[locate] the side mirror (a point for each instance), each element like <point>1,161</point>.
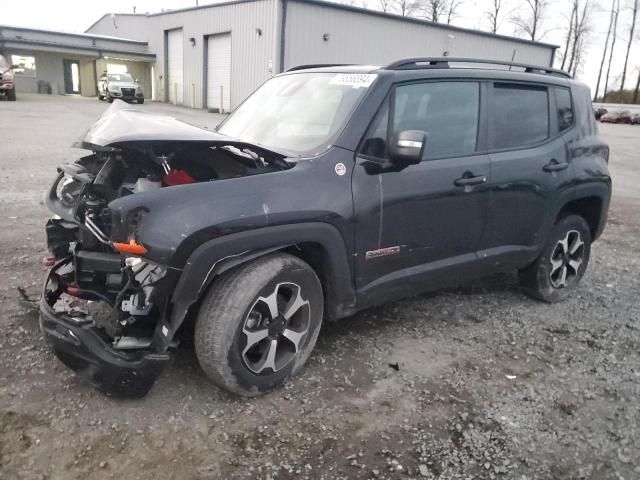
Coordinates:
<point>407,147</point>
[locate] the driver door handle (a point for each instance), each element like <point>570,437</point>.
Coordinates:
<point>555,166</point>
<point>468,179</point>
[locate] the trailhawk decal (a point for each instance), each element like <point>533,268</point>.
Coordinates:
<point>382,252</point>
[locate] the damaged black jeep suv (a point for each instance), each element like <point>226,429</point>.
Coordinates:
<point>331,189</point>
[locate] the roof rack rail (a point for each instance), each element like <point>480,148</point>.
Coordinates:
<point>443,62</point>
<point>317,65</point>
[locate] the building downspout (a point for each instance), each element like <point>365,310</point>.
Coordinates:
<point>283,28</point>
<point>553,56</point>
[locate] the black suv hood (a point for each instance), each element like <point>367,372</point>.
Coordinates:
<point>122,123</point>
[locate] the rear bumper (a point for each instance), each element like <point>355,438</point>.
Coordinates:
<point>87,351</point>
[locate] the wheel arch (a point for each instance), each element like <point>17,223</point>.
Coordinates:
<point>319,244</point>
<point>591,202</point>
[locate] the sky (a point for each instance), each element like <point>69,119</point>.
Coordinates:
<point>78,15</point>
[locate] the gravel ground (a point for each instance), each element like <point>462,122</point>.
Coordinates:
<point>475,382</point>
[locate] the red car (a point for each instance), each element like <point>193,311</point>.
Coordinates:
<point>7,82</point>
<point>621,116</point>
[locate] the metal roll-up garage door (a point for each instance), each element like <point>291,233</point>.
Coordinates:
<point>219,72</point>
<point>175,74</point>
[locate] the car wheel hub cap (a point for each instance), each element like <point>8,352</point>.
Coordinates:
<point>566,259</point>
<point>274,329</point>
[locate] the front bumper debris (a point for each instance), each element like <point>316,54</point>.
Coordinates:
<point>88,351</point>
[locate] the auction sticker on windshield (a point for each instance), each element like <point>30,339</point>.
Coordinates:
<point>355,80</point>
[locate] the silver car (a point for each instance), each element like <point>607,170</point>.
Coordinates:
<point>119,85</point>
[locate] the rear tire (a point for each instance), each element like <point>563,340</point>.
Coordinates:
<point>556,273</point>
<point>140,101</point>
<point>109,99</point>
<point>258,324</point>
<point>11,95</point>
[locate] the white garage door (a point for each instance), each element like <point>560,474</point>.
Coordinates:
<point>219,72</point>
<point>175,66</point>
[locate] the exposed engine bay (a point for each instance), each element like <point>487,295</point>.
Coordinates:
<point>100,280</point>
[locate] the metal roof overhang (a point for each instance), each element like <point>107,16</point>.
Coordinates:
<point>95,52</point>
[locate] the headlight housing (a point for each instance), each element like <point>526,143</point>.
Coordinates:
<point>68,191</point>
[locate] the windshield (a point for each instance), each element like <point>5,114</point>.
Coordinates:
<point>300,114</point>
<point>120,77</point>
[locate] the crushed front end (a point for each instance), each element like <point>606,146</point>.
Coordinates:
<point>107,297</point>
<point>102,300</point>
<point>100,307</point>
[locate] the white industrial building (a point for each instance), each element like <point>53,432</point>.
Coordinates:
<point>214,56</point>
<point>59,63</point>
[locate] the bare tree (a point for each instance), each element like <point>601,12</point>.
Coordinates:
<point>635,92</point>
<point>530,23</point>
<point>578,56</point>
<point>567,44</point>
<point>385,5</point>
<point>631,33</point>
<point>614,36</point>
<point>580,30</point>
<point>435,9</point>
<point>493,14</point>
<point>604,52</point>
<point>452,10</point>
<point>407,8</point>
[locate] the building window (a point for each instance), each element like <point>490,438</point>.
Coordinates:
<point>27,65</point>
<point>116,68</point>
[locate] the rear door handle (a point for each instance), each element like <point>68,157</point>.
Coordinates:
<point>468,180</point>
<point>555,166</point>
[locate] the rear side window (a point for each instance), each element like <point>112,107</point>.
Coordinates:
<point>564,108</point>
<point>447,112</point>
<point>520,115</point>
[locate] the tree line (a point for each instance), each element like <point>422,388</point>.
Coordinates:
<point>529,18</point>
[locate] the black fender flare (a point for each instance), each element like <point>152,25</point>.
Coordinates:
<point>215,256</point>
<point>601,190</point>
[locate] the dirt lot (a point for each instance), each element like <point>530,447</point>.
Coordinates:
<point>489,384</point>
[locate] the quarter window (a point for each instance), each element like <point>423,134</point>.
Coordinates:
<point>564,108</point>
<point>446,111</point>
<point>520,115</point>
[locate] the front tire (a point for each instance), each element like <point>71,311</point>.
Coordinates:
<point>258,324</point>
<point>11,95</point>
<point>556,273</point>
